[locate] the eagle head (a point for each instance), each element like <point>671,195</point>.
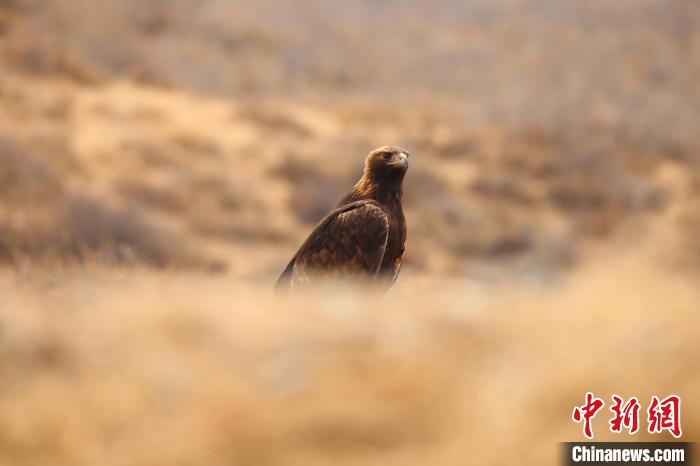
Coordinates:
<point>388,163</point>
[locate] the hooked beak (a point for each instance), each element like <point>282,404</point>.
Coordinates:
<point>401,159</point>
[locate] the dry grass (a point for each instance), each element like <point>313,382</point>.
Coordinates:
<point>161,161</point>
<point>168,167</point>
<point>522,152</point>
<point>138,369</point>
<point>44,220</point>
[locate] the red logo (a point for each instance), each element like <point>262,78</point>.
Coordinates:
<point>587,412</point>
<point>665,415</point>
<point>626,415</point>
<point>661,415</point>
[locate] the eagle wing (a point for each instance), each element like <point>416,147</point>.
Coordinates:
<point>348,243</point>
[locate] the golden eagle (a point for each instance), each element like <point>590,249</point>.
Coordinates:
<point>363,236</point>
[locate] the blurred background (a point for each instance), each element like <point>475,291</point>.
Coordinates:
<point>161,161</point>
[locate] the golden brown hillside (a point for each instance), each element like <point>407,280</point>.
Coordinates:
<point>161,161</point>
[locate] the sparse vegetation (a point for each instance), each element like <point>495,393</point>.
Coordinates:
<point>160,161</point>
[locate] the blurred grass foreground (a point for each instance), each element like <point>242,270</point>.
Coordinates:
<point>161,161</point>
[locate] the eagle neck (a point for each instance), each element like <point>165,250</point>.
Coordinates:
<point>386,193</point>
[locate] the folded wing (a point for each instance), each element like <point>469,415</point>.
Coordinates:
<point>348,243</point>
